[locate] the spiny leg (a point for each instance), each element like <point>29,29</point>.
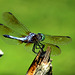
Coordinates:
<point>41,46</point>
<point>34,48</point>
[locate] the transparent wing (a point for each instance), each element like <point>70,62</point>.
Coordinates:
<point>14,24</point>
<point>55,50</point>
<point>8,31</point>
<point>57,39</point>
<point>29,47</point>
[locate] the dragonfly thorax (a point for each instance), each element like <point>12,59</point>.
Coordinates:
<point>32,38</point>
<point>29,38</point>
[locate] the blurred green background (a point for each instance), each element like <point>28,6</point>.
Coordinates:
<point>53,17</point>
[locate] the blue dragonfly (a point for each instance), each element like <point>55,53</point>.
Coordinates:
<point>17,33</point>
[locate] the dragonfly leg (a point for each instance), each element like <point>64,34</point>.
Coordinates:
<point>41,46</point>
<point>34,48</point>
<point>38,46</point>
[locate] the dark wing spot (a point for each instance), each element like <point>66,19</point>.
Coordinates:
<point>10,13</point>
<point>68,37</point>
<point>57,46</point>
<point>1,24</point>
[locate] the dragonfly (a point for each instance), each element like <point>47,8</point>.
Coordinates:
<point>17,33</point>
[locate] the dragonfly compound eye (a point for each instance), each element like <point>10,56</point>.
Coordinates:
<point>42,37</point>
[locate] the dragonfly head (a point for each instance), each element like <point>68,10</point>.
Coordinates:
<point>41,36</point>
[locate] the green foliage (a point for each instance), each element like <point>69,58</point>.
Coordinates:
<point>53,17</point>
